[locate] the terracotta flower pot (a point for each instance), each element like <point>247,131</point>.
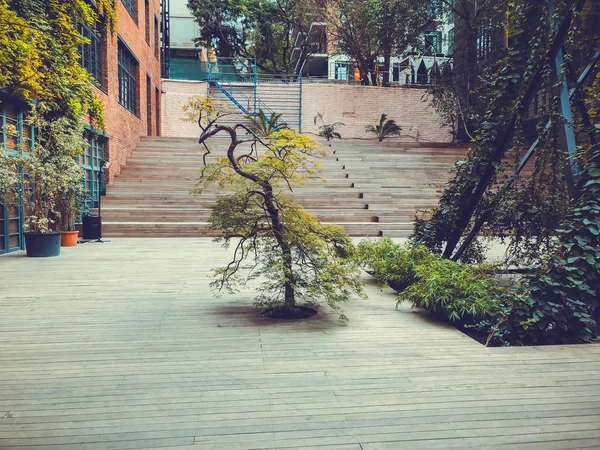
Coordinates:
<point>69,238</point>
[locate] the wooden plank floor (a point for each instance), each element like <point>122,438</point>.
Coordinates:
<point>122,346</point>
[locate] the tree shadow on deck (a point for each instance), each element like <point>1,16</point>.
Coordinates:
<point>249,315</point>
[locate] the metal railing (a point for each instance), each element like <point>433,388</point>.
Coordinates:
<point>237,80</point>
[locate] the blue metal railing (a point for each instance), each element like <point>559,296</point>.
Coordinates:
<point>229,96</point>
<point>237,79</point>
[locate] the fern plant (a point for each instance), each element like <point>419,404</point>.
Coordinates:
<point>387,127</point>
<point>263,125</point>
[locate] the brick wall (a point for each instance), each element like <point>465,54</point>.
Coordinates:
<point>359,106</point>
<point>355,106</point>
<point>176,94</point>
<point>124,127</point>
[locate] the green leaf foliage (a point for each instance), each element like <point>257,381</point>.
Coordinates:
<point>386,128</point>
<point>260,29</point>
<point>39,59</point>
<point>456,292</point>
<point>294,256</point>
<point>263,125</point>
<point>391,263</point>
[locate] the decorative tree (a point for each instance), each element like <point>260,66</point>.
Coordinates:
<point>297,257</point>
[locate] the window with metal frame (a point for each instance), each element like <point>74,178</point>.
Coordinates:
<point>90,160</point>
<point>130,7</point>
<point>17,139</point>
<point>147,21</point>
<point>156,38</point>
<point>91,53</point>
<point>128,74</point>
<point>433,41</point>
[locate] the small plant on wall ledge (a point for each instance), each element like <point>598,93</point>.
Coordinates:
<point>328,130</point>
<point>262,125</point>
<point>386,128</point>
<point>297,258</point>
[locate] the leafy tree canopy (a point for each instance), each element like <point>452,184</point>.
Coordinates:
<point>368,29</point>
<point>39,59</point>
<point>263,29</point>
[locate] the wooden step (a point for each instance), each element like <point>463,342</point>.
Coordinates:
<point>368,189</point>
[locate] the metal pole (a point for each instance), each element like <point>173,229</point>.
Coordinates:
<point>300,106</point>
<point>254,113</point>
<point>567,134</point>
<point>503,141</point>
<point>488,213</point>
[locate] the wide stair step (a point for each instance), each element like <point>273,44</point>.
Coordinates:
<point>367,188</point>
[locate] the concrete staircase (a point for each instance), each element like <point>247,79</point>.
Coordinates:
<point>370,189</point>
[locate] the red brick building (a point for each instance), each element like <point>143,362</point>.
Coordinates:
<point>126,69</point>
<point>126,65</point>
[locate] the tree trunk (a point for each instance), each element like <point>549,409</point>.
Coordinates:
<point>364,74</point>
<point>289,302</point>
<point>387,57</point>
<point>373,74</point>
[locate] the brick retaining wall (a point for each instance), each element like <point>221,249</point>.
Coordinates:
<point>356,106</point>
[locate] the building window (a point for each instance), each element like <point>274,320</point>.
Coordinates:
<point>157,106</point>
<point>156,38</point>
<point>342,71</point>
<point>147,22</point>
<point>433,41</point>
<point>130,7</point>
<point>90,160</point>
<point>148,106</point>
<point>128,69</point>
<point>451,42</point>
<point>90,54</point>
<point>17,139</point>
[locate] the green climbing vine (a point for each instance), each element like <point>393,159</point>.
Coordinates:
<point>535,217</point>
<point>39,59</point>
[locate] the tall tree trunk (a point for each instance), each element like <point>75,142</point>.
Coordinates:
<point>387,57</point>
<point>289,302</point>
<point>364,73</point>
<point>372,71</point>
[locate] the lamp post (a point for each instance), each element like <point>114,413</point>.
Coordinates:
<point>103,166</point>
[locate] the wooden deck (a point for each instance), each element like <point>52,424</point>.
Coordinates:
<point>122,346</point>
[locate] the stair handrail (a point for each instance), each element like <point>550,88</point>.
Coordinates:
<point>230,97</point>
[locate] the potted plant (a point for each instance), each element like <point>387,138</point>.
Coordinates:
<point>69,201</point>
<point>52,172</point>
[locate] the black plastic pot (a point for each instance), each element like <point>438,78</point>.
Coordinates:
<point>41,245</point>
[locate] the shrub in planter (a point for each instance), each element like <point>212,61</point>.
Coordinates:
<point>262,125</point>
<point>54,177</point>
<point>454,291</point>
<point>391,263</point>
<point>328,130</point>
<point>459,293</point>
